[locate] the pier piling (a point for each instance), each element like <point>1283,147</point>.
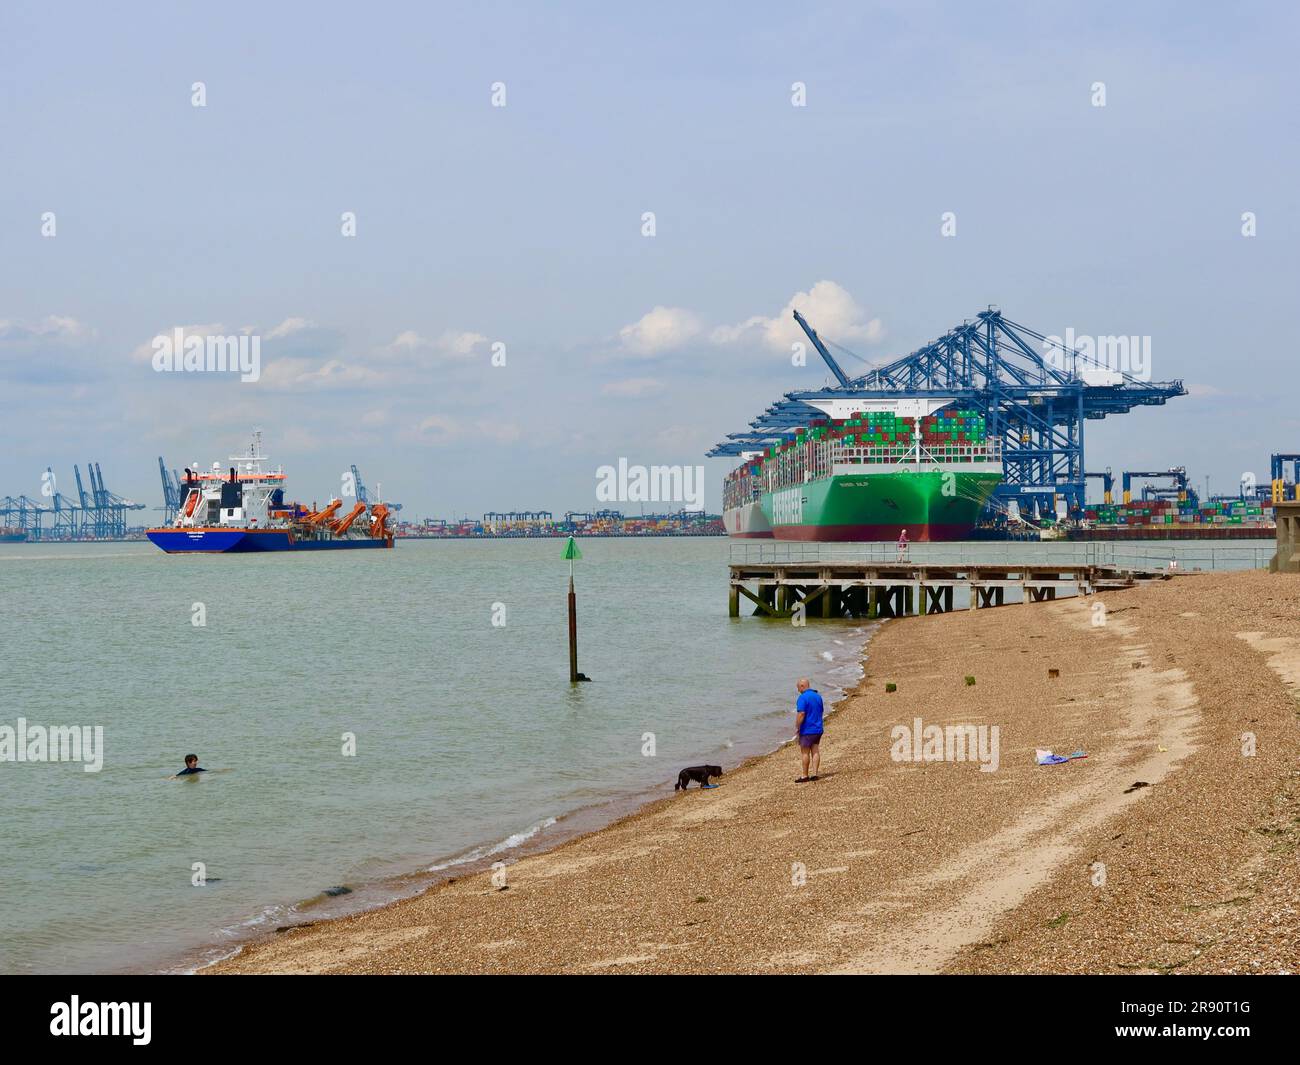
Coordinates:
<point>894,590</point>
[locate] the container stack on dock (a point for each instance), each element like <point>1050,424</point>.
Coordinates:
<point>682,524</point>
<point>1168,518</point>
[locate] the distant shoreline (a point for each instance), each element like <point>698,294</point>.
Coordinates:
<point>494,536</point>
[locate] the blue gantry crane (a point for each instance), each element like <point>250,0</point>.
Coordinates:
<point>1178,489</point>
<point>363,495</point>
<point>1033,391</point>
<point>99,514</point>
<point>171,484</point>
<point>1107,478</point>
<point>1279,489</point>
<point>108,513</point>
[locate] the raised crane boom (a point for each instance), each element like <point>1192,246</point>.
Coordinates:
<point>840,375</point>
<point>319,517</point>
<point>343,524</point>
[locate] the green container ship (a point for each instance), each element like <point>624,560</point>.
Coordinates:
<point>886,466</point>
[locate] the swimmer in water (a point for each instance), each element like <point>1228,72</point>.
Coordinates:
<point>192,767</point>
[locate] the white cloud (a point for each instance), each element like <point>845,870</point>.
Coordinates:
<point>437,429</point>
<point>298,353</point>
<point>55,351</point>
<point>633,387</point>
<point>462,344</point>
<point>288,327</point>
<point>441,429</point>
<point>293,337</point>
<point>661,329</point>
<point>304,373</point>
<point>827,306</point>
<point>729,334</point>
<point>145,352</point>
<point>54,327</point>
<point>452,344</point>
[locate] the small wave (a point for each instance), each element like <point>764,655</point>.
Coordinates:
<point>276,912</point>
<point>486,851</point>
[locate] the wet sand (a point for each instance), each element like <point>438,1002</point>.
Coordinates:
<point>899,866</point>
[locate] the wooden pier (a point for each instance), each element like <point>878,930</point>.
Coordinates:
<point>898,589</point>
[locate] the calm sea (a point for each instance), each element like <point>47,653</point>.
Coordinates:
<point>469,739</point>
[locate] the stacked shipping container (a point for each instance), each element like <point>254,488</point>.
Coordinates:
<point>1181,512</point>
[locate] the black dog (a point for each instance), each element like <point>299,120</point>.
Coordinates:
<point>698,773</point>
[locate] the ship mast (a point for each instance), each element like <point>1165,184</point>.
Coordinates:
<point>253,459</point>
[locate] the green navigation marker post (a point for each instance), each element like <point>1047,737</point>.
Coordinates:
<point>571,552</point>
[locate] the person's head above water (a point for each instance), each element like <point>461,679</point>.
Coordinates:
<point>803,684</point>
<point>191,760</point>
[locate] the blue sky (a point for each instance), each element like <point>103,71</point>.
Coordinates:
<point>522,225</point>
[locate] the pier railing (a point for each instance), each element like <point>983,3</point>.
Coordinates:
<point>1149,557</point>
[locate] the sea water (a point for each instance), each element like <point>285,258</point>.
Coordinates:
<point>378,713</point>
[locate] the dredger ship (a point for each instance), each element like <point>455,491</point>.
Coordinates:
<point>924,466</point>
<point>245,509</point>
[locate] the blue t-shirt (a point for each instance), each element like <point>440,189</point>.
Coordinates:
<point>810,705</point>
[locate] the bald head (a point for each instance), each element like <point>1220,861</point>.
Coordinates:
<point>803,684</point>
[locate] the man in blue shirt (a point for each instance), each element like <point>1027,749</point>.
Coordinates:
<point>808,727</point>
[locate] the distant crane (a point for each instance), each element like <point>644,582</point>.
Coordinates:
<point>98,514</point>
<point>1177,474</point>
<point>81,492</point>
<point>109,508</point>
<point>68,516</point>
<point>1283,490</point>
<point>171,483</point>
<point>363,496</point>
<point>1107,479</point>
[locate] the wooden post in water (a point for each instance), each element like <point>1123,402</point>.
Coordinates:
<point>573,632</point>
<point>571,552</point>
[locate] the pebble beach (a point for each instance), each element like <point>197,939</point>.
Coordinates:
<point>1169,846</point>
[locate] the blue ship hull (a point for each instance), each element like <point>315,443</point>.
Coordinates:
<point>239,541</point>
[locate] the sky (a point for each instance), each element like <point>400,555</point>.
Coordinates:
<point>519,230</point>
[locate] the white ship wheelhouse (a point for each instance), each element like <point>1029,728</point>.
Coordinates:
<point>248,496</point>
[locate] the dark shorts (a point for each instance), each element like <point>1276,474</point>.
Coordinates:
<point>810,739</point>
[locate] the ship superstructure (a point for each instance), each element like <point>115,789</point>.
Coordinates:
<point>243,507</point>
